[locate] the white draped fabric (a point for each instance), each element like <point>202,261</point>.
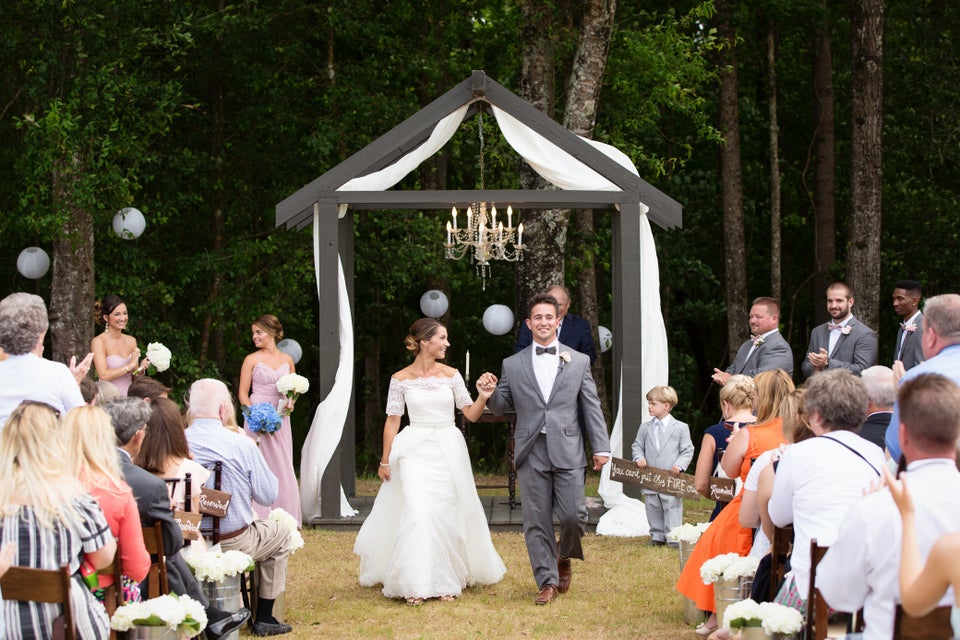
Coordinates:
<point>626,516</point>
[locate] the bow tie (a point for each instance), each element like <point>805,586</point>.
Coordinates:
<point>834,326</point>
<point>543,350</point>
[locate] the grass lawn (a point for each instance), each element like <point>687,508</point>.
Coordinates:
<point>623,590</point>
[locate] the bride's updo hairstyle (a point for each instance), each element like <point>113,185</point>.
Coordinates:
<point>422,329</point>
<point>739,392</point>
<point>270,324</point>
<point>103,308</point>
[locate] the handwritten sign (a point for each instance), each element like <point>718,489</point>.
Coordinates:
<point>721,489</point>
<point>189,524</point>
<point>213,502</point>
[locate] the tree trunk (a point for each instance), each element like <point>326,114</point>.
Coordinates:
<point>866,153</point>
<point>824,208</point>
<point>731,177</point>
<point>71,291</point>
<point>775,242</point>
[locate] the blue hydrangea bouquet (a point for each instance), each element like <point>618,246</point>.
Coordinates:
<point>262,418</point>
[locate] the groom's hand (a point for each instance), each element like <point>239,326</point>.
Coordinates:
<point>599,461</point>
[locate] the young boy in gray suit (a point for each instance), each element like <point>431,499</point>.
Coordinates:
<point>663,442</point>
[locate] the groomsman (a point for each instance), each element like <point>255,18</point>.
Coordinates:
<point>842,343</point>
<point>766,349</point>
<point>908,350</point>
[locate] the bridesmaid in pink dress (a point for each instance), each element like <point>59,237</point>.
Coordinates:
<point>115,354</point>
<point>258,383</point>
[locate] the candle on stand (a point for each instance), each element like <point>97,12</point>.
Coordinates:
<point>454,212</point>
<point>448,232</point>
<point>469,218</point>
<point>493,218</point>
<point>520,234</point>
<point>467,368</point>
<point>509,217</point>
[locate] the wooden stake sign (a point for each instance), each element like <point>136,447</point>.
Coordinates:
<point>189,524</point>
<point>721,489</point>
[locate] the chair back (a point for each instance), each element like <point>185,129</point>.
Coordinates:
<point>39,585</point>
<point>933,626</point>
<point>816,605</point>
<point>158,584</point>
<point>780,548</point>
<point>211,527</point>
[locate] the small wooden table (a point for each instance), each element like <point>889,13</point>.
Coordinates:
<point>510,418</point>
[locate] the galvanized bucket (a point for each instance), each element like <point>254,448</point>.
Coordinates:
<point>225,595</point>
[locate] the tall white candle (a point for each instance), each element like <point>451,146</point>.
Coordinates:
<point>467,368</point>
<point>493,218</point>
<point>454,212</point>
<point>509,217</point>
<point>520,234</point>
<point>448,232</point>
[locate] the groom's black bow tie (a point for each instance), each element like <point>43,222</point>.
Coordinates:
<point>543,350</point>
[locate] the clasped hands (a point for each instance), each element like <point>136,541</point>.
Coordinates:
<point>486,384</point>
<point>819,360</point>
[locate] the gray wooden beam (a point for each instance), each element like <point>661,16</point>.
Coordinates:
<point>348,442</point>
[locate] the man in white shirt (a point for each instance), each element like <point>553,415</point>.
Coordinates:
<point>766,349</point>
<point>861,569</point>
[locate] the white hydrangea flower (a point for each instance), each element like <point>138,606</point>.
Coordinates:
<point>687,532</point>
<point>287,520</point>
<point>745,613</point>
<point>292,383</point>
<point>780,619</point>
<point>712,569</point>
<point>159,356</point>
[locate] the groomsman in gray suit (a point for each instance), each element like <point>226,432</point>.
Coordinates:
<point>908,350</point>
<point>765,350</point>
<point>547,384</point>
<point>842,343</point>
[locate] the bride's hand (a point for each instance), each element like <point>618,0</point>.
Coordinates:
<point>486,384</point>
<point>384,472</point>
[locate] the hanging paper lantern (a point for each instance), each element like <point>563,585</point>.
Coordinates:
<point>498,319</point>
<point>606,339</point>
<point>129,223</point>
<point>434,303</point>
<point>33,263</point>
<point>291,348</point>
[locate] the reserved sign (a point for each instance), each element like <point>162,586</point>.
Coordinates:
<point>213,502</point>
<point>189,524</point>
<point>721,489</point>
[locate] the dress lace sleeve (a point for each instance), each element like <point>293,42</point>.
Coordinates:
<point>395,398</point>
<point>460,394</point>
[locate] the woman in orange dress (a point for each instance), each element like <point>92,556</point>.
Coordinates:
<point>725,535</point>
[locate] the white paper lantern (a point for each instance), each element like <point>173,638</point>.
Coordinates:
<point>434,303</point>
<point>33,263</point>
<point>606,339</point>
<point>498,319</point>
<point>129,223</point>
<point>291,348</point>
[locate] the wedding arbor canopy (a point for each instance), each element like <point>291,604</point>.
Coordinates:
<point>589,174</point>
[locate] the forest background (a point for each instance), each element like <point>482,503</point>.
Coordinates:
<point>808,141</point>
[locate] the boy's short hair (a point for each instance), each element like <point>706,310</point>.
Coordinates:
<point>662,393</point>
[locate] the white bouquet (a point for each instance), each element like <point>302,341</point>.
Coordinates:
<point>780,619</point>
<point>180,613</point>
<point>291,386</point>
<point>287,520</point>
<point>213,565</point>
<point>687,532</point>
<point>745,613</point>
<point>159,356</point>
<point>745,566</point>
<point>712,569</point>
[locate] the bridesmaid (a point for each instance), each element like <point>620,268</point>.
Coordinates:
<point>258,383</point>
<point>115,354</point>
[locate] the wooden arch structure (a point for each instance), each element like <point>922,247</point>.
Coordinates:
<point>335,234</point>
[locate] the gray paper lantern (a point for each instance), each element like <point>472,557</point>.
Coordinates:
<point>606,339</point>
<point>434,303</point>
<point>129,223</point>
<point>33,263</point>
<point>291,348</point>
<point>498,319</point>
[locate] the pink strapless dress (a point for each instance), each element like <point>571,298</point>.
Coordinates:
<point>123,382</point>
<point>277,448</point>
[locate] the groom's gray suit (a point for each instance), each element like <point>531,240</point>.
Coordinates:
<point>549,451</point>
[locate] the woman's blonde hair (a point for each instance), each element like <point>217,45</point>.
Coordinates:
<point>795,426</point>
<point>33,465</point>
<point>740,392</point>
<point>772,386</point>
<point>89,437</point>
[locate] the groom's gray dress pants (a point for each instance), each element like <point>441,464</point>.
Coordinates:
<point>545,491</point>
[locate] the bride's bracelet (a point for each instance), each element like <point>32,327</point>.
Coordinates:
<point>383,464</point>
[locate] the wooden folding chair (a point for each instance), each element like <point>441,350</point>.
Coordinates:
<point>213,530</point>
<point>780,548</point>
<point>816,605</point>
<point>933,626</point>
<point>158,585</point>
<point>39,585</point>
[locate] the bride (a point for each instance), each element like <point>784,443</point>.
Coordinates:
<point>427,535</point>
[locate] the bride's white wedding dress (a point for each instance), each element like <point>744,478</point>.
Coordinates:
<point>427,533</point>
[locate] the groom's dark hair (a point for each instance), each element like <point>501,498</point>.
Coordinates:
<point>543,298</point>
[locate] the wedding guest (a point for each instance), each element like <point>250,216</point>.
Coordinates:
<point>258,383</point>
<point>737,399</point>
<point>148,388</point>
<point>881,386</point>
<point>25,374</point>
<point>427,535</point>
<point>90,439</point>
<point>115,354</point>
<point>88,390</point>
<point>51,518</point>
<point>106,392</point>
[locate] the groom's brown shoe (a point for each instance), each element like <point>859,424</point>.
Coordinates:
<point>546,595</point>
<point>566,573</point>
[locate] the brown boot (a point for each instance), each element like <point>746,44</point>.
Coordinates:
<point>566,573</point>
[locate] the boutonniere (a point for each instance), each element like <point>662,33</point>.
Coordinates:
<point>910,328</point>
<point>759,340</point>
<point>565,356</point>
<point>846,330</point>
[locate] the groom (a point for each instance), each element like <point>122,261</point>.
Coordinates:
<point>546,383</point>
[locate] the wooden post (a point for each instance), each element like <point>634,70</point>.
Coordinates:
<point>328,325</point>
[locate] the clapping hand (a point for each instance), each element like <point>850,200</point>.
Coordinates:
<point>80,370</point>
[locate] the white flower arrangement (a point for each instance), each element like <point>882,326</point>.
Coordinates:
<point>180,613</point>
<point>687,532</point>
<point>712,570</point>
<point>778,618</point>
<point>291,386</point>
<point>745,566</point>
<point>213,565</point>
<point>290,522</point>
<point>159,356</point>
<point>745,613</point>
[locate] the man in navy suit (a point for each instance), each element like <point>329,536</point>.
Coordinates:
<point>573,331</point>
<point>766,349</point>
<point>842,343</point>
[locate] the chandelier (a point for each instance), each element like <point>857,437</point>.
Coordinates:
<point>484,237</point>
